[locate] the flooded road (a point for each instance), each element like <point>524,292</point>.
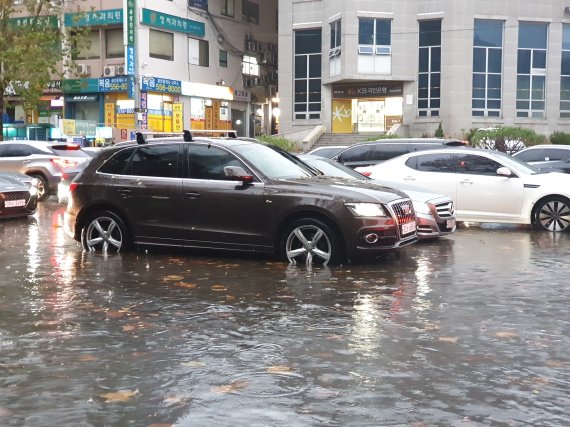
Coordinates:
<point>470,330</point>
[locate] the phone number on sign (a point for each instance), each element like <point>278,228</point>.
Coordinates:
<point>115,87</point>
<point>161,87</point>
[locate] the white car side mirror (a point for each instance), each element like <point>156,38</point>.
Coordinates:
<point>504,171</point>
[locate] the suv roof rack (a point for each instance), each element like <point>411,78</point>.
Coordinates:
<point>186,134</point>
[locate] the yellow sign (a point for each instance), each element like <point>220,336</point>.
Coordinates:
<point>69,127</point>
<point>110,114</point>
<point>177,118</point>
<point>342,116</point>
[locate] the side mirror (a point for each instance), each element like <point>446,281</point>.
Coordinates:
<point>238,173</point>
<point>504,171</point>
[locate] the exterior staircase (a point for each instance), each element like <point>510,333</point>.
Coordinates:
<point>341,139</point>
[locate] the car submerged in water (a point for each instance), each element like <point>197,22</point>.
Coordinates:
<point>231,194</point>
<point>18,195</point>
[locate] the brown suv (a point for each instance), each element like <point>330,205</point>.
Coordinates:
<point>231,194</point>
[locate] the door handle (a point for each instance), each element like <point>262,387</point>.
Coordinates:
<point>125,192</point>
<point>409,178</point>
<point>466,182</point>
<point>193,195</point>
<point>26,162</point>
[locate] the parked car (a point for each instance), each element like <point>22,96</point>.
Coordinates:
<point>18,195</point>
<point>327,151</point>
<point>40,159</point>
<point>374,152</point>
<point>231,194</point>
<point>487,186</point>
<point>435,215</point>
<point>547,157</point>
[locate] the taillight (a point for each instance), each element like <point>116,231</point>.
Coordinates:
<point>366,173</point>
<point>63,163</point>
<point>73,186</point>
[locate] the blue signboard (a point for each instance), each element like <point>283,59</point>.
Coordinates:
<point>130,57</point>
<point>200,4</point>
<point>157,84</point>
<point>94,18</point>
<point>131,90</point>
<point>168,22</point>
<point>114,84</point>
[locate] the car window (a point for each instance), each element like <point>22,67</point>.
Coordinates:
<point>477,165</point>
<point>17,150</point>
<point>556,154</point>
<point>531,155</point>
<point>117,164</point>
<point>271,162</point>
<point>387,151</point>
<point>359,153</point>
<point>432,163</point>
<point>207,162</point>
<point>424,146</point>
<point>159,160</point>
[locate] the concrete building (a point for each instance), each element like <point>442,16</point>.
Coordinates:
<point>168,66</point>
<point>364,66</point>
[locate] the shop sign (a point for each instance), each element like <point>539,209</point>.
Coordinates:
<point>152,18</point>
<point>81,98</point>
<point>53,87</point>
<point>367,90</point>
<point>177,118</point>
<point>131,14</point>
<point>156,84</point>
<point>242,95</point>
<point>80,85</point>
<point>85,127</point>
<point>68,126</point>
<point>94,18</point>
<point>200,4</point>
<point>51,21</point>
<point>109,114</point>
<point>131,90</point>
<point>130,59</point>
<point>113,84</point>
<point>143,119</point>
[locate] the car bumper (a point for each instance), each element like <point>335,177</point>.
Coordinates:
<point>430,228</point>
<point>29,208</point>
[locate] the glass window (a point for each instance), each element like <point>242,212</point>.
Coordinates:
<point>117,164</point>
<point>477,165</point>
<point>159,161</point>
<point>374,32</point>
<point>228,8</point>
<point>429,66</point>
<point>434,163</point>
<point>92,47</point>
<point>206,162</point>
<point>223,58</point>
<point>359,153</point>
<point>365,31</point>
<point>199,52</point>
<point>565,73</point>
<point>386,151</point>
<point>487,68</point>
<point>114,43</point>
<point>250,12</point>
<point>531,155</point>
<point>250,66</point>
<point>335,34</point>
<point>308,72</point>
<point>531,69</point>
<point>161,45</point>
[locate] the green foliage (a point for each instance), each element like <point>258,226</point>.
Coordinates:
<point>439,131</point>
<point>506,139</point>
<point>383,136</point>
<point>283,143</point>
<point>560,138</point>
<point>34,50</point>
<point>470,134</point>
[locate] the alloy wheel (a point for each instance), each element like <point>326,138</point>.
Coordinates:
<point>103,234</point>
<point>554,215</point>
<point>309,244</point>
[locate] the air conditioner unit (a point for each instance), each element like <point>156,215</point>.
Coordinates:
<point>251,46</point>
<point>120,70</point>
<point>109,71</point>
<point>84,69</point>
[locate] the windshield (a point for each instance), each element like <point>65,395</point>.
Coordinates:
<point>518,165</point>
<point>270,162</point>
<point>332,168</point>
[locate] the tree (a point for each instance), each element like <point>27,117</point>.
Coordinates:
<point>35,47</point>
<point>506,139</point>
<point>439,131</point>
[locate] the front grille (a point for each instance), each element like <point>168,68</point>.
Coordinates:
<point>405,213</point>
<point>445,210</point>
<point>14,195</point>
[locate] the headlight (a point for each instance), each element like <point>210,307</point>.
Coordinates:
<point>366,209</point>
<point>421,207</point>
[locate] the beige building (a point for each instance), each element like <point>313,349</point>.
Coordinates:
<point>368,66</point>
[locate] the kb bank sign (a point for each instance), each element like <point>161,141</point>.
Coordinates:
<point>367,90</point>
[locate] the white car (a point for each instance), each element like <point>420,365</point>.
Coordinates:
<point>486,186</point>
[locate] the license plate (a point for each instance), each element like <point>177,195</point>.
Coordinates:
<point>409,227</point>
<point>450,223</point>
<point>14,203</point>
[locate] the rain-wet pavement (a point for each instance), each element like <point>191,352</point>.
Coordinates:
<point>469,330</point>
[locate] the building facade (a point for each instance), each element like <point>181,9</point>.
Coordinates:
<point>166,66</point>
<point>366,65</point>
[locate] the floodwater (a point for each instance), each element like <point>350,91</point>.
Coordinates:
<point>469,330</point>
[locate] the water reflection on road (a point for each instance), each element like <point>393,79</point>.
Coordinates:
<point>468,330</point>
